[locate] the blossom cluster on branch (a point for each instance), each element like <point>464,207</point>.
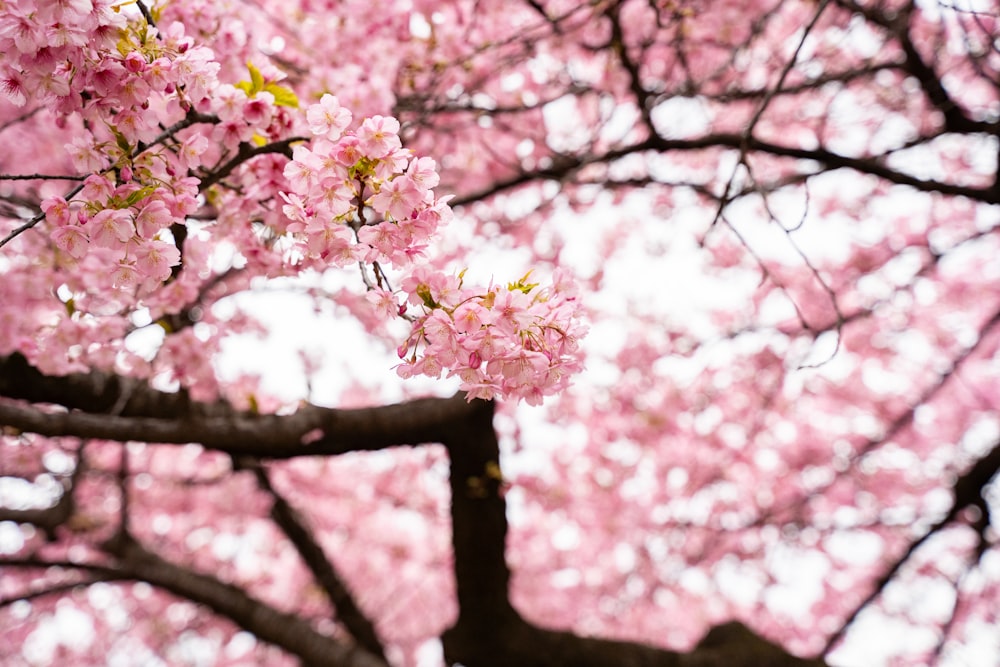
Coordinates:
<point>156,123</point>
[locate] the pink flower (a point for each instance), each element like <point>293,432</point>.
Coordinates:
<point>57,211</point>
<point>303,169</point>
<point>470,317</point>
<point>228,102</point>
<point>232,133</point>
<point>327,118</point>
<point>124,275</point>
<point>399,197</point>
<point>422,171</point>
<point>191,149</point>
<point>134,62</point>
<point>153,217</point>
<point>12,86</point>
<point>383,302</point>
<point>157,73</point>
<point>259,110</point>
<point>86,156</point>
<point>154,259</point>
<point>377,136</point>
<point>347,150</point>
<point>111,227</point>
<point>97,189</point>
<point>135,126</point>
<point>71,240</point>
<point>381,238</point>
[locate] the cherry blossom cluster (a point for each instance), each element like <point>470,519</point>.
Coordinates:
<point>151,119</point>
<point>341,178</point>
<point>516,341</point>
<point>147,112</point>
<point>122,226</point>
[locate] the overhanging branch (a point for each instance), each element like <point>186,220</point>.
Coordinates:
<point>153,416</point>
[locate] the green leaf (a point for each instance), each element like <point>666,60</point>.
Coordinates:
<point>256,78</point>
<point>120,140</point>
<point>424,292</point>
<point>283,97</point>
<point>139,194</point>
<point>522,284</point>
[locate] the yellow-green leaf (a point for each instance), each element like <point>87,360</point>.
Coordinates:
<point>522,284</point>
<point>256,78</point>
<point>283,97</point>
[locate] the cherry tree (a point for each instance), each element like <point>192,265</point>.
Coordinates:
<point>615,333</point>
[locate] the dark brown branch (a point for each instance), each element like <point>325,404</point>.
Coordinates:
<point>490,633</point>
<point>968,492</point>
<point>264,436</point>
<point>153,416</point>
<point>245,153</point>
<point>290,632</point>
<point>48,519</point>
<point>293,526</point>
<point>897,25</point>
<point>874,165</point>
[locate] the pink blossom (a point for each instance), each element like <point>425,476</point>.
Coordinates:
<point>153,217</point>
<point>383,302</point>
<point>347,151</point>
<point>57,211</point>
<point>302,170</point>
<point>191,149</point>
<point>228,102</point>
<point>135,126</point>
<point>12,86</point>
<point>327,118</point>
<point>87,156</point>
<point>110,228</point>
<point>377,136</point>
<point>423,172</point>
<point>97,188</point>
<point>154,259</point>
<point>259,110</point>
<point>470,316</point>
<point>72,240</point>
<point>232,133</point>
<point>399,197</point>
<point>125,275</point>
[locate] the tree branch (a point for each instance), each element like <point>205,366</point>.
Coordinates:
<point>294,527</point>
<point>873,165</point>
<point>149,415</point>
<point>490,633</point>
<point>968,492</point>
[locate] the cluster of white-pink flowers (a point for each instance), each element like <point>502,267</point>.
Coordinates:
<point>515,341</point>
<point>152,119</point>
<point>127,81</point>
<point>121,225</point>
<point>359,196</point>
<point>341,178</point>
